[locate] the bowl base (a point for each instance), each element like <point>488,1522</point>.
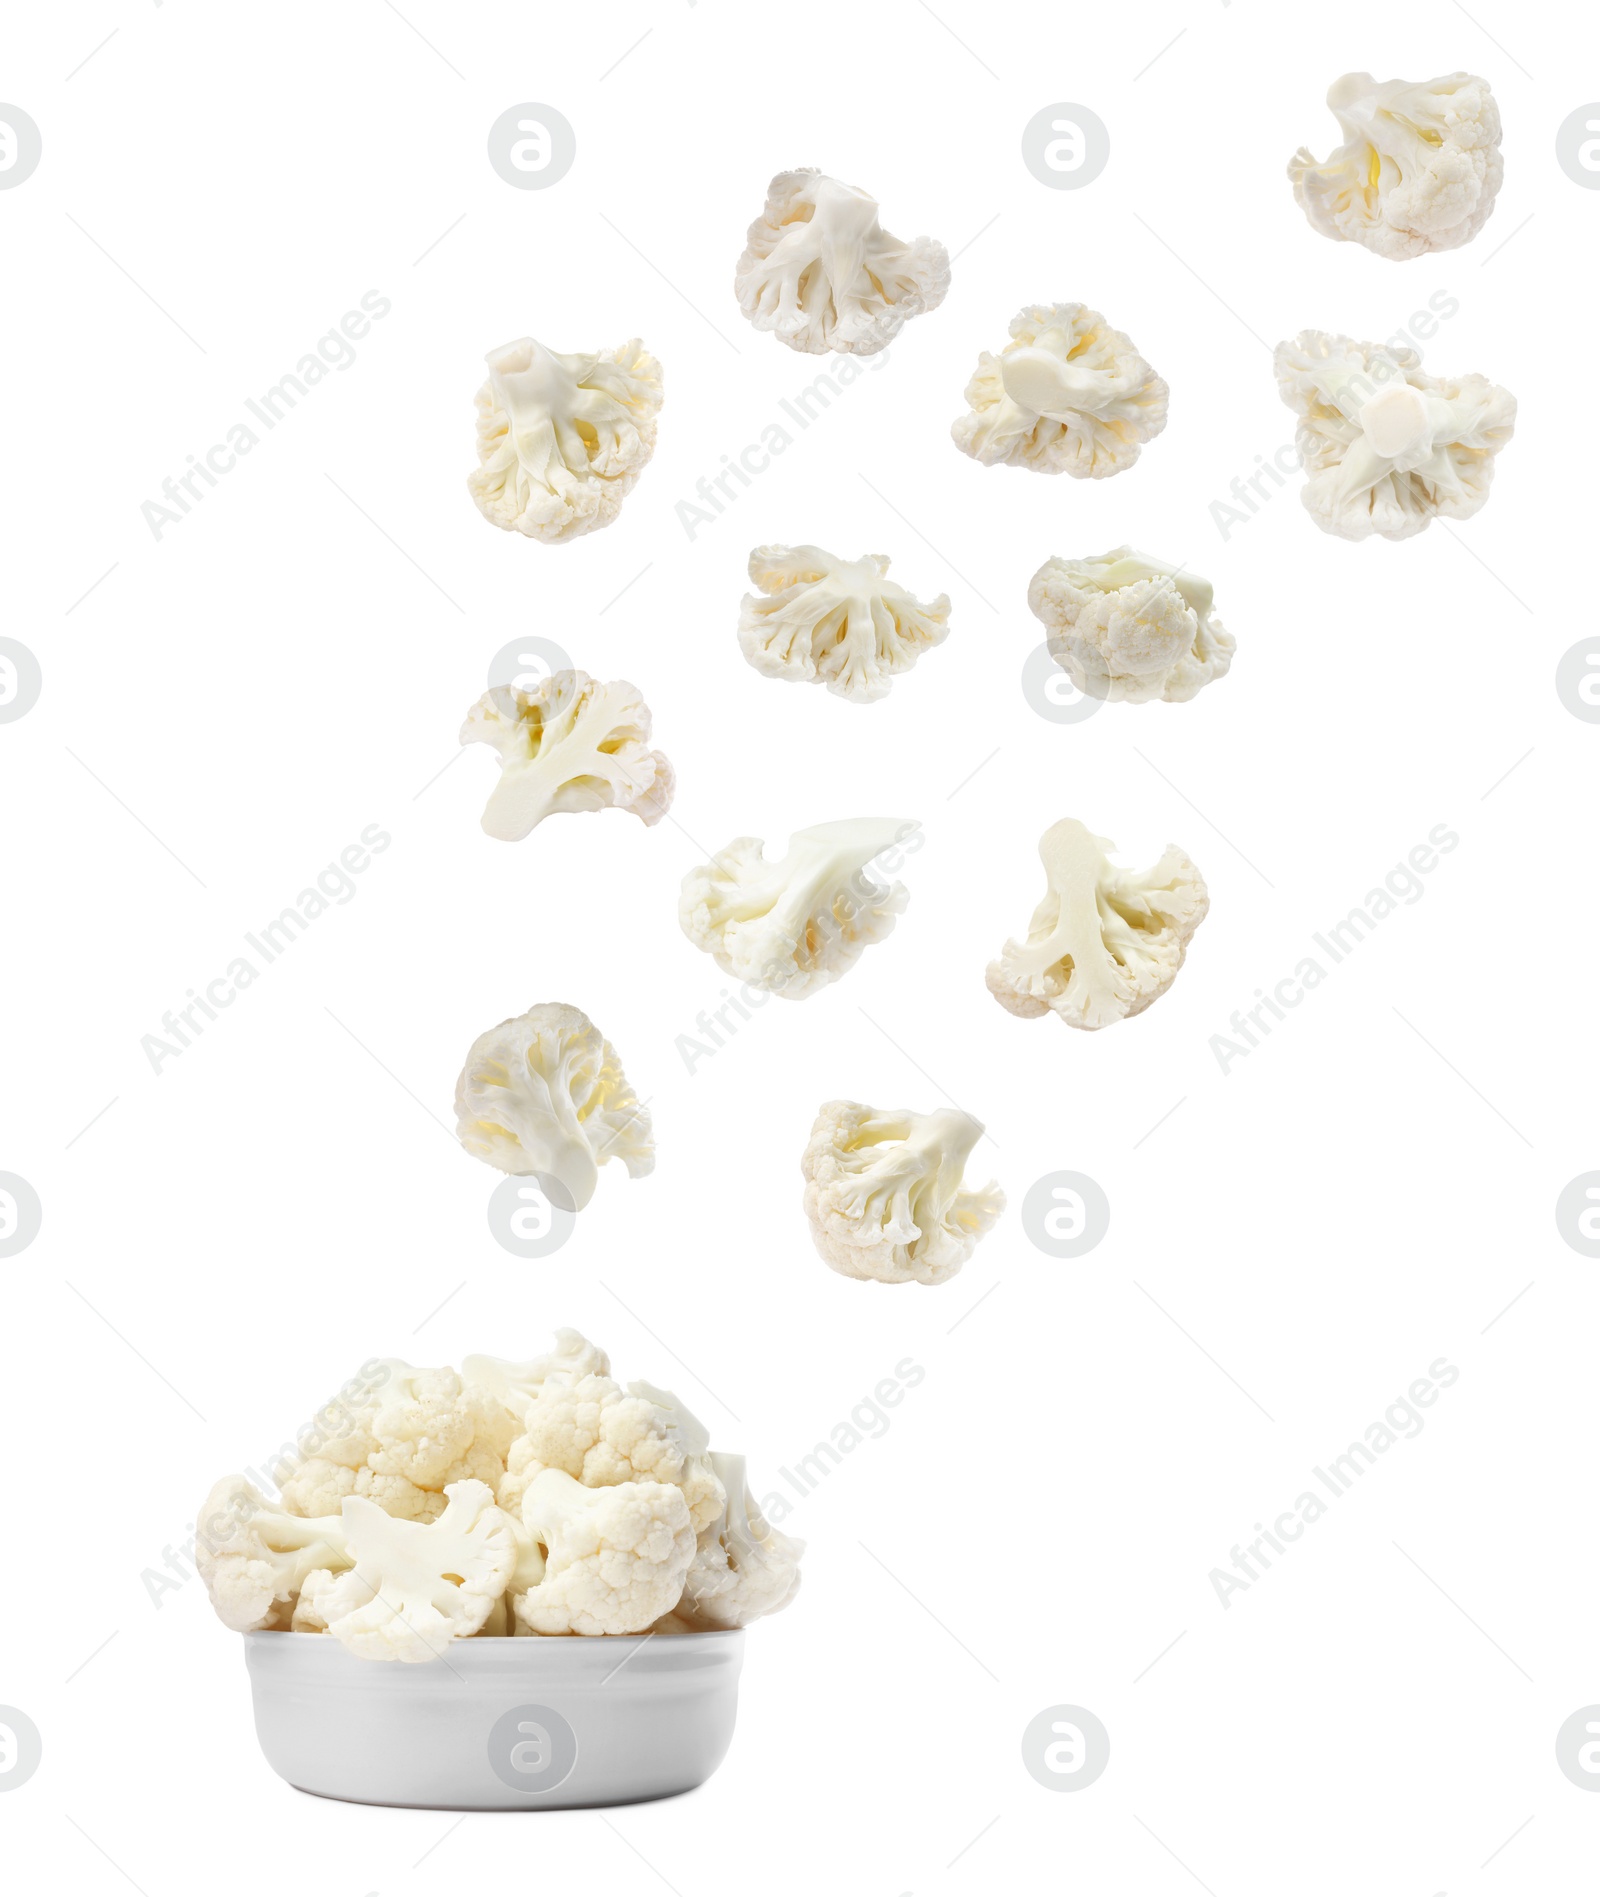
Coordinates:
<point>505,1811</point>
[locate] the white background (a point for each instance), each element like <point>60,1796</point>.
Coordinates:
<point>1291,1247</point>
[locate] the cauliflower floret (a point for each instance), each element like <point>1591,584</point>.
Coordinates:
<point>822,273</point>
<point>1418,170</point>
<point>416,1432</point>
<point>1105,942</point>
<point>839,623</point>
<point>1385,447</point>
<point>431,1430</point>
<point>1126,626</point>
<point>601,1435</point>
<point>562,439</point>
<point>1067,395</point>
<point>571,744</point>
<point>742,1569</point>
<point>515,1385</point>
<point>415,1586</point>
<point>884,1195</point>
<point>544,1093</point>
<point>600,1561</point>
<point>255,1559</point>
<point>793,926</point>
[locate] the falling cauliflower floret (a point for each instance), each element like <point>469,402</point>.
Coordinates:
<point>1418,170</point>
<point>1126,626</point>
<point>1067,395</point>
<point>600,1434</point>
<point>1105,942</point>
<point>562,439</point>
<point>413,1587</point>
<point>600,1561</point>
<point>841,623</point>
<point>1385,447</point>
<point>823,274</point>
<point>794,926</point>
<point>544,1094</point>
<point>572,744</point>
<point>884,1195</point>
<point>742,1568</point>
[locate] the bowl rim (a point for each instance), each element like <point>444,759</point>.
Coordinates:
<point>572,1641</point>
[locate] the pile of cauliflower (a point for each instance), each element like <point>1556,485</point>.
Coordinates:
<point>427,1506</point>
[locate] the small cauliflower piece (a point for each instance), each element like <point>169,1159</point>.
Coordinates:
<point>1105,942</point>
<point>742,1569</point>
<point>544,1094</point>
<point>562,439</point>
<point>1419,168</point>
<point>515,1385</point>
<point>794,926</point>
<point>572,744</point>
<point>823,274</point>
<point>602,1435</point>
<point>416,1431</point>
<point>1126,626</point>
<point>415,1586</point>
<point>431,1430</point>
<point>884,1195</point>
<point>1385,447</point>
<point>841,623</point>
<point>600,1561</point>
<point>1067,395</point>
<point>255,1558</point>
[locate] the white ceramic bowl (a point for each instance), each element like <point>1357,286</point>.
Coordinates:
<point>498,1724</point>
